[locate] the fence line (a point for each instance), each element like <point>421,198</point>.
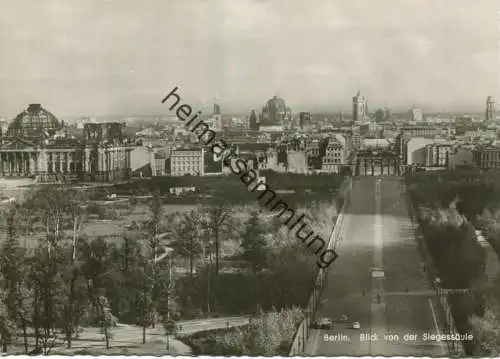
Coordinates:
<point>303,330</point>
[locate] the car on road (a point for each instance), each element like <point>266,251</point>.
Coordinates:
<point>356,325</point>
<point>322,323</point>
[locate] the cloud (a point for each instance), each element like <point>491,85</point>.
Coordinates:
<point>317,69</point>
<point>98,56</point>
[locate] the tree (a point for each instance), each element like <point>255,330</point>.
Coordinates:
<point>48,284</point>
<point>154,243</point>
<point>51,205</point>
<point>105,318</point>
<point>7,326</point>
<point>218,223</point>
<point>487,332</point>
<point>187,241</point>
<point>13,272</point>
<point>254,244</point>
<point>170,329</point>
<point>77,216</point>
<point>145,304</point>
<point>96,270</point>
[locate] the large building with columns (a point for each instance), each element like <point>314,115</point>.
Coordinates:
<point>38,145</point>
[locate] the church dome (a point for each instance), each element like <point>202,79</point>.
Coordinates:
<point>276,104</point>
<point>33,123</point>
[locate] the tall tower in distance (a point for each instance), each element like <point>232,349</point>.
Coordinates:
<point>358,108</point>
<point>217,116</point>
<point>216,108</point>
<point>490,109</point>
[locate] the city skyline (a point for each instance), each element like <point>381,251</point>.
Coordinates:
<point>121,57</point>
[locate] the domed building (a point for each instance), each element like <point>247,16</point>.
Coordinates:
<point>33,122</point>
<point>36,144</point>
<point>275,112</point>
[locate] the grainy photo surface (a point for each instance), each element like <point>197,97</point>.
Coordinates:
<point>250,177</point>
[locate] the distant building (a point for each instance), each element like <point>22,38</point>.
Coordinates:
<point>239,123</point>
<point>356,138</point>
<point>187,161</point>
<point>416,115</point>
<point>334,157</point>
<point>140,158</point>
<point>215,122</point>
<point>275,112</point>
<point>304,120</point>
<point>436,154</point>
<point>416,150</point>
<point>253,121</point>
<point>249,158</point>
<point>463,124</point>
<point>37,144</point>
<point>278,129</point>
<point>408,132</point>
<point>460,157</point>
<point>487,157</point>
<point>148,133</point>
<point>80,123</point>
<point>358,108</point>
<point>375,143</point>
<point>420,131</point>
<point>158,162</point>
<point>490,109</point>
<point>346,141</point>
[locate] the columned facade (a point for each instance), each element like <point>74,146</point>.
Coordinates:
<point>50,165</point>
<point>38,145</point>
<point>375,166</point>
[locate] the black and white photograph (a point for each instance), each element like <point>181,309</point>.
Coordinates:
<point>250,178</point>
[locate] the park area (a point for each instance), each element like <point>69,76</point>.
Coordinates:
<point>75,269</point>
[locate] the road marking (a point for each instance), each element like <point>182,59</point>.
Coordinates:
<point>436,325</point>
<point>377,310</point>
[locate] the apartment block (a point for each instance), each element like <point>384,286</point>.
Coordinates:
<point>187,161</point>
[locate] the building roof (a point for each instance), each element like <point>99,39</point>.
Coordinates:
<point>276,103</point>
<point>150,132</point>
<point>376,142</point>
<point>253,146</point>
<point>185,149</point>
<point>488,147</point>
<point>271,128</point>
<point>33,122</point>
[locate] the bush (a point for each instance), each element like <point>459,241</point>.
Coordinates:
<point>269,335</point>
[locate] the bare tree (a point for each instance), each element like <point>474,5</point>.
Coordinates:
<point>218,224</point>
<point>187,241</point>
<point>76,202</point>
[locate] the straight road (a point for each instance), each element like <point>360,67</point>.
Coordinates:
<point>378,281</point>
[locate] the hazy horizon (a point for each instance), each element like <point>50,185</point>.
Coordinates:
<point>121,57</point>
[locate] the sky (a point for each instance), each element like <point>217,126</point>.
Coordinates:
<point>101,57</point>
